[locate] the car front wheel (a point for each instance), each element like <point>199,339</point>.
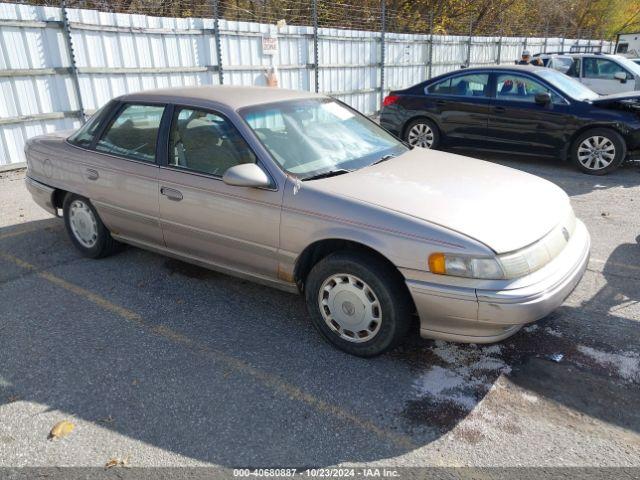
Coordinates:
<point>358,303</point>
<point>85,229</point>
<point>598,151</point>
<point>422,133</point>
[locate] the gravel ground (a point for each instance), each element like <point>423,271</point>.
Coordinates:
<point>159,363</point>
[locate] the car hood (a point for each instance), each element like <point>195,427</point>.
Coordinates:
<point>503,208</point>
<point>617,97</point>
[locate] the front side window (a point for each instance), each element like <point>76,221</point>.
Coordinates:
<point>133,133</point>
<point>206,142</point>
<point>314,136</point>
<point>601,68</point>
<point>473,85</point>
<point>85,135</point>
<point>520,88</point>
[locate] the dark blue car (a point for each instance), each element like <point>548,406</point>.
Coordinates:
<point>521,109</point>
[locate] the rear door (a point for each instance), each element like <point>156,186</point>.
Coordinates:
<point>232,227</point>
<point>120,171</point>
<point>517,122</point>
<point>462,105</point>
<point>598,73</point>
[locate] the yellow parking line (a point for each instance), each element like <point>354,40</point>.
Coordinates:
<point>272,381</point>
<point>23,231</point>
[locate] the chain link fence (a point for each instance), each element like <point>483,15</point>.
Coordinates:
<point>62,60</point>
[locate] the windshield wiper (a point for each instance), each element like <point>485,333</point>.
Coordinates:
<point>330,173</point>
<point>384,158</point>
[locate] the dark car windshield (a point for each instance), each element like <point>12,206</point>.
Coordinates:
<point>567,85</point>
<point>318,135</point>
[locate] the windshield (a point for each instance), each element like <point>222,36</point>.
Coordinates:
<point>318,135</point>
<point>567,85</point>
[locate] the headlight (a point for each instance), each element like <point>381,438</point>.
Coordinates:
<point>465,266</point>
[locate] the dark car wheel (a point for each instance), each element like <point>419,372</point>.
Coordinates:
<point>422,133</point>
<point>598,151</point>
<point>358,303</point>
<point>85,229</point>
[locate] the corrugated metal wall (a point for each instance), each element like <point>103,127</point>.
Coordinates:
<point>122,53</point>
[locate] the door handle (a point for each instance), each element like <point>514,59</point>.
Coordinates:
<point>499,109</point>
<point>92,174</point>
<point>171,193</point>
<point>441,102</point>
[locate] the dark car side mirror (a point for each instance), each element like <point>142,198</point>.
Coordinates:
<point>543,98</point>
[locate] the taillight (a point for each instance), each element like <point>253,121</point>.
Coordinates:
<point>390,100</point>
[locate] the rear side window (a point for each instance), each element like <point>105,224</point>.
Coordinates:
<point>474,85</point>
<point>133,133</point>
<point>84,136</point>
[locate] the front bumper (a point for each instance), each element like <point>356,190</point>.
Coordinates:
<point>472,315</point>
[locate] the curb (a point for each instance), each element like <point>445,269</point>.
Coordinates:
<point>13,166</point>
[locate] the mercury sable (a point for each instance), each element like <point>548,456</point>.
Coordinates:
<point>298,191</point>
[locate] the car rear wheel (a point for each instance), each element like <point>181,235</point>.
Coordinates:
<point>598,151</point>
<point>422,133</point>
<point>85,229</point>
<point>358,303</point>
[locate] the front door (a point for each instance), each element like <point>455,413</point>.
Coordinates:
<point>599,75</point>
<point>517,122</point>
<point>236,228</point>
<point>121,174</point>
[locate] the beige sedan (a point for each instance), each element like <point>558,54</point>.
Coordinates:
<point>300,192</point>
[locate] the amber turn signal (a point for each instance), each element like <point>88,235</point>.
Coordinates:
<point>437,263</point>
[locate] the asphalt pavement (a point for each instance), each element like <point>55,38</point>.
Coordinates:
<point>160,363</point>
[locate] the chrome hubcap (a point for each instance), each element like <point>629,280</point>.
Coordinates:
<point>83,224</point>
<point>350,308</point>
<point>420,135</point>
<point>596,153</point>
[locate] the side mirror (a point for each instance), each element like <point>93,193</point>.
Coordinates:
<point>543,98</point>
<point>246,175</point>
<point>620,76</point>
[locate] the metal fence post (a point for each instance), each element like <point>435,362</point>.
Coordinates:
<point>546,36</point>
<point>315,46</point>
<point>430,44</point>
<point>499,52</point>
<point>382,46</point>
<point>216,34</point>
<point>469,44</point>
<point>72,59</point>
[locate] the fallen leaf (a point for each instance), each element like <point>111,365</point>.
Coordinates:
<point>108,419</point>
<point>61,429</point>
<point>117,462</point>
<point>134,382</point>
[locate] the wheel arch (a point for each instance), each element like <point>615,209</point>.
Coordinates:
<point>419,116</point>
<point>320,249</point>
<point>574,136</point>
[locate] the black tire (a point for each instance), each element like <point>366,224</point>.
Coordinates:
<point>104,244</point>
<point>611,136</point>
<point>387,285</point>
<point>426,124</point>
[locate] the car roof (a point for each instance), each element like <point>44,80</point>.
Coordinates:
<point>232,96</point>
<point>525,68</point>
